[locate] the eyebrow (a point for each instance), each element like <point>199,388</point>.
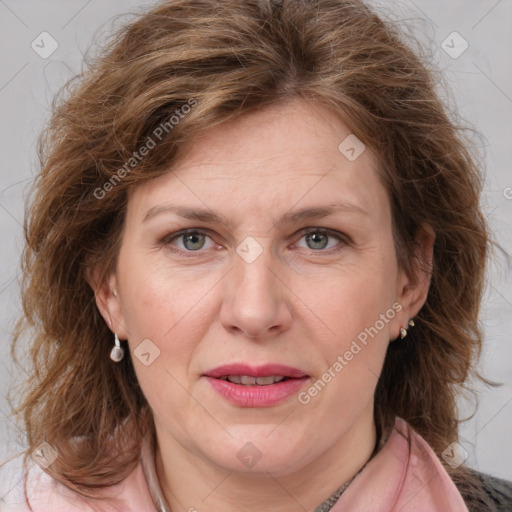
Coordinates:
<point>205,215</point>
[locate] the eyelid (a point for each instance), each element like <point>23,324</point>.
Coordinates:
<point>182,232</point>
<point>331,232</point>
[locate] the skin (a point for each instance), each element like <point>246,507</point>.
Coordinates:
<point>298,304</point>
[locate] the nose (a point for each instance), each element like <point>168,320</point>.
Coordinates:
<point>256,300</point>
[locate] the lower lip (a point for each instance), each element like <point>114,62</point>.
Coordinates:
<point>257,396</point>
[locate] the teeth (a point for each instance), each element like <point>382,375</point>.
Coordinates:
<point>246,380</point>
<point>262,381</point>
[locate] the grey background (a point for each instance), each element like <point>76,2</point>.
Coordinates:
<point>481,88</point>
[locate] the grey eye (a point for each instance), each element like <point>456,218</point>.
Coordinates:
<point>320,239</point>
<point>317,239</point>
<point>193,241</point>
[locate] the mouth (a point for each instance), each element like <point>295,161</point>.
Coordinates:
<point>247,380</point>
<point>264,386</point>
<point>247,371</point>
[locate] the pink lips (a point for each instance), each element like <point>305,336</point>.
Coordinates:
<point>256,395</point>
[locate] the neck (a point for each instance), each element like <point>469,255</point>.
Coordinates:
<point>192,483</point>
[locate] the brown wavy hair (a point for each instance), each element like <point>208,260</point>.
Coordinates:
<point>233,57</point>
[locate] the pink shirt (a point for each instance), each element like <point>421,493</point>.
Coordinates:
<point>396,479</point>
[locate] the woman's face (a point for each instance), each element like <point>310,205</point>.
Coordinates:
<point>266,276</point>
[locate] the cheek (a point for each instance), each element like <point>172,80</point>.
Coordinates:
<point>159,298</point>
<point>355,299</point>
<point>168,309</point>
<point>361,335</point>
<point>352,355</point>
<point>358,305</point>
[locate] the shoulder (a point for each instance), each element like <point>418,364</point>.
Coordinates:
<point>19,481</point>
<point>496,496</point>
<point>12,478</point>
<point>47,494</point>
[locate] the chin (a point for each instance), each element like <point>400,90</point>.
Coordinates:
<point>256,455</point>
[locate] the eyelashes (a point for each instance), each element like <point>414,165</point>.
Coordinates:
<point>320,238</point>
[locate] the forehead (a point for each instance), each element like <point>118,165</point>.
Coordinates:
<point>269,161</point>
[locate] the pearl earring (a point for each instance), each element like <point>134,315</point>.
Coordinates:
<point>403,332</point>
<point>117,352</point>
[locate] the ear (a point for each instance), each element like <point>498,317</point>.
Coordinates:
<point>412,290</point>
<point>107,299</point>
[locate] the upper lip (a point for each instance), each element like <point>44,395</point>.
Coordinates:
<point>265,370</point>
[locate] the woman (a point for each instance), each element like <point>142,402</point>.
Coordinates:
<point>253,271</point>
